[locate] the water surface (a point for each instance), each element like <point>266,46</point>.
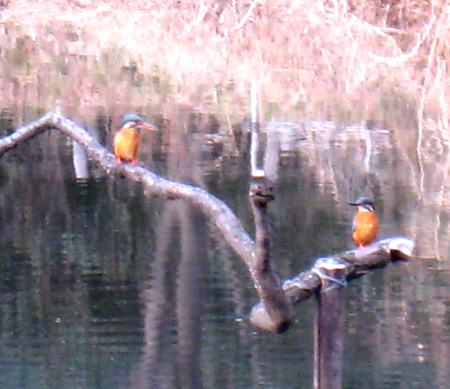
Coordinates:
<point>105,288</point>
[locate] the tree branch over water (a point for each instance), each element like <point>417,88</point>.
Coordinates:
<point>274,311</point>
<point>267,282</point>
<point>356,262</point>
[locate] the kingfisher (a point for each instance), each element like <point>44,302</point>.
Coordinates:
<point>126,140</point>
<point>365,222</point>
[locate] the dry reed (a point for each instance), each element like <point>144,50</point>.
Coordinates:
<point>336,58</point>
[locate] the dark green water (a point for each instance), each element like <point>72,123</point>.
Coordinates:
<point>102,287</point>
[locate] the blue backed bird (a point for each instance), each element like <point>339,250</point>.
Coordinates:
<point>365,222</point>
<point>126,140</point>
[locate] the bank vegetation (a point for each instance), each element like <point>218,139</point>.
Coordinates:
<point>339,58</point>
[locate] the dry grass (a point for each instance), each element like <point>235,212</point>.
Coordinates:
<point>334,57</point>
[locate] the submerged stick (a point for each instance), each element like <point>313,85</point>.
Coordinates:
<point>265,279</point>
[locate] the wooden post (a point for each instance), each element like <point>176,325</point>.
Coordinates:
<point>329,324</point>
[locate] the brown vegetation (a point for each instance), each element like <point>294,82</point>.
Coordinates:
<point>329,57</point>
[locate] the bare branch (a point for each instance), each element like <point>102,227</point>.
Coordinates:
<point>357,262</point>
<point>265,279</point>
<point>273,313</point>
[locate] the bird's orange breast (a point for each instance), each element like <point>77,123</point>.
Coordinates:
<point>365,228</point>
<point>126,144</point>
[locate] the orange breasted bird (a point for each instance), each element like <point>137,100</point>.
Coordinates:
<point>365,222</point>
<point>126,140</point>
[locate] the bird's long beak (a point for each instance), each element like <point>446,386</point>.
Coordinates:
<point>148,126</point>
<point>353,203</point>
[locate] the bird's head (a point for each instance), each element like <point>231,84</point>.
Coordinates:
<point>365,203</point>
<point>131,120</point>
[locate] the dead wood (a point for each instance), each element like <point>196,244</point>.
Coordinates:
<point>357,262</point>
<point>273,313</point>
<point>265,279</point>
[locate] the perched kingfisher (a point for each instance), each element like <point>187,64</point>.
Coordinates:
<point>126,140</point>
<point>365,222</point>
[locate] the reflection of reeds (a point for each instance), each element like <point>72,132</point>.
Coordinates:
<point>331,57</point>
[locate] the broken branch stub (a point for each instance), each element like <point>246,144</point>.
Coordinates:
<point>273,299</point>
